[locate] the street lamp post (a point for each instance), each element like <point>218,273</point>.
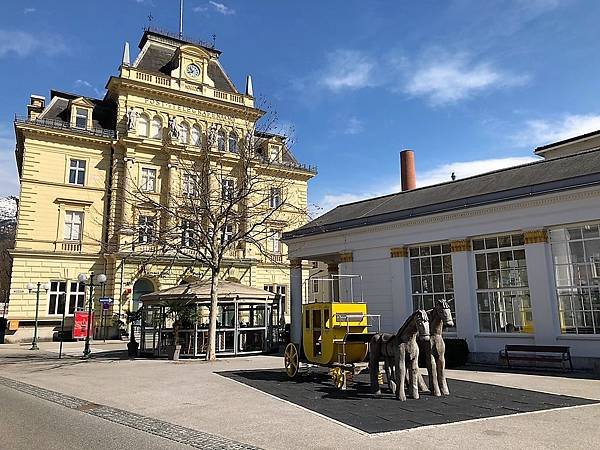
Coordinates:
<point>30,287</point>
<point>82,278</point>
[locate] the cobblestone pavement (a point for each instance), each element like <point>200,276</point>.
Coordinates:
<point>177,433</point>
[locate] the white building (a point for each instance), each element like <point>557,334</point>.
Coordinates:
<point>517,249</point>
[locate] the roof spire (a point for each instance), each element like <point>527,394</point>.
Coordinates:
<point>249,88</point>
<point>126,59</point>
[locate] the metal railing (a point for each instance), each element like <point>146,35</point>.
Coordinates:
<point>58,124</point>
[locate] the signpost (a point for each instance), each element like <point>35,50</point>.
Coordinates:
<point>106,303</point>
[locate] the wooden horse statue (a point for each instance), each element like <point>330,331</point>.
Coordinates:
<point>397,351</point>
<point>439,316</point>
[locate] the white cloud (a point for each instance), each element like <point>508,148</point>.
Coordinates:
<point>543,131</point>
<point>29,10</point>
<point>447,79</point>
<point>87,85</point>
<point>348,69</point>
<point>439,174</point>
<point>221,8</point>
<point>22,43</point>
<point>353,126</point>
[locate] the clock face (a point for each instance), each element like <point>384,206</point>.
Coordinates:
<point>193,70</point>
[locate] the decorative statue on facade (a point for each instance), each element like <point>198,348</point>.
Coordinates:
<point>212,135</point>
<point>399,350</point>
<point>173,131</point>
<point>132,117</point>
<point>439,316</point>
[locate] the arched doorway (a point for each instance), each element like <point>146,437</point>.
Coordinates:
<point>141,287</point>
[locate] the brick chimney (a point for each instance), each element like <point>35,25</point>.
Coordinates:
<point>37,103</point>
<point>408,177</point>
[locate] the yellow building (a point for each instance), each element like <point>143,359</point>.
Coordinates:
<point>82,163</point>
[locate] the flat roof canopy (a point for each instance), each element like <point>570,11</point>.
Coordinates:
<point>199,291</point>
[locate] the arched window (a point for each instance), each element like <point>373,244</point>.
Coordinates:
<point>233,142</point>
<point>184,133</point>
<point>221,141</point>
<point>143,126</point>
<point>156,128</point>
<point>196,136</point>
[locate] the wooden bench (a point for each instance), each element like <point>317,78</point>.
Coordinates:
<point>541,353</point>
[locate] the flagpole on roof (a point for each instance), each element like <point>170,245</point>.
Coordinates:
<point>180,19</point>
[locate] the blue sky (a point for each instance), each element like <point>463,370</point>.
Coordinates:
<point>470,85</point>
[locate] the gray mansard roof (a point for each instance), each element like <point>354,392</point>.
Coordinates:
<point>537,178</point>
<point>157,58</point>
<point>59,109</point>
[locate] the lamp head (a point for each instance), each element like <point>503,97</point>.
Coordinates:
<point>46,286</point>
<point>82,278</point>
<point>30,286</point>
<point>101,278</point>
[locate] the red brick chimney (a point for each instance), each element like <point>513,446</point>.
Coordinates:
<point>407,170</point>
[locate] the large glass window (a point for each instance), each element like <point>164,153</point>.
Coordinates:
<point>431,276</point>
<point>146,229</point>
<point>233,142</point>
<point>503,300</point>
<point>56,297</point>
<point>576,255</point>
<point>81,118</point>
<point>188,233</point>
<point>148,179</point>
<point>73,222</point>
<point>280,290</point>
<point>196,136</point>
<point>221,140</point>
<point>227,189</point>
<point>143,126</point>
<point>77,172</point>
<point>190,185</point>
<point>156,128</point>
<point>275,199</point>
<point>76,297</point>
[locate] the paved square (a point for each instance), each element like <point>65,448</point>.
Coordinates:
<point>357,408</point>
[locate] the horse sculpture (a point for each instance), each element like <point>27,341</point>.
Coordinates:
<point>435,349</point>
<point>397,351</point>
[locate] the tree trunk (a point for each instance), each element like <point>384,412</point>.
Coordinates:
<point>212,324</point>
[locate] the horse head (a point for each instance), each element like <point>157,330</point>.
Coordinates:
<point>442,308</point>
<point>422,321</point>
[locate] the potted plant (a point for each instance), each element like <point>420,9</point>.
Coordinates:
<point>180,313</point>
<point>130,318</point>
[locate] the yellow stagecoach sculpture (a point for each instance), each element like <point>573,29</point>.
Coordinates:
<point>335,334</point>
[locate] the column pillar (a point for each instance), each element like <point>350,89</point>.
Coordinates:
<point>296,301</point>
<point>333,286</point>
<point>540,274</point>
<point>347,288</point>
<point>465,298</point>
<point>402,305</point>
<point>172,192</point>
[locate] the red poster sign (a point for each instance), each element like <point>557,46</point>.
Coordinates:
<point>80,325</point>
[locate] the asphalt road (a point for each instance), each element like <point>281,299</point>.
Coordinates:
<point>29,423</point>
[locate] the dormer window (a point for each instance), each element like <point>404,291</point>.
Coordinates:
<point>81,118</point>
<point>274,155</point>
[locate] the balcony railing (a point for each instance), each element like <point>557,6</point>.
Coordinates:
<point>58,124</point>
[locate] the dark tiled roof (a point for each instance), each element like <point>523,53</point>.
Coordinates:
<point>568,172</point>
<point>158,59</point>
<point>566,141</point>
<point>103,113</point>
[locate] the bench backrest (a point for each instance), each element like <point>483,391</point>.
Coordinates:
<point>537,348</point>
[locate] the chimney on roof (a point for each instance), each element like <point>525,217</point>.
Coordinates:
<point>249,88</point>
<point>37,103</point>
<point>126,59</point>
<point>408,177</point>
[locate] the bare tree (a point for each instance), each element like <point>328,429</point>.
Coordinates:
<point>228,195</point>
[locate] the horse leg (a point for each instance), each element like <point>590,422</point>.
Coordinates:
<point>414,371</point>
<point>441,374</point>
<point>432,370</point>
<point>400,368</point>
<point>389,374</point>
<point>374,367</point>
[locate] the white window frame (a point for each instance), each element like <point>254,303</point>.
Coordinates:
<point>227,189</point>
<point>70,222</point>
<point>228,233</point>
<point>56,292</point>
<point>77,170</point>
<point>146,229</point>
<point>281,290</point>
<point>232,142</point>
<point>221,141</point>
<point>143,126</point>
<point>81,113</point>
<point>577,280</point>
<point>189,233</point>
<point>274,242</point>
<point>77,293</point>
<point>497,300</point>
<point>190,185</point>
<point>148,176</point>
<point>196,134</point>
<point>184,133</point>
